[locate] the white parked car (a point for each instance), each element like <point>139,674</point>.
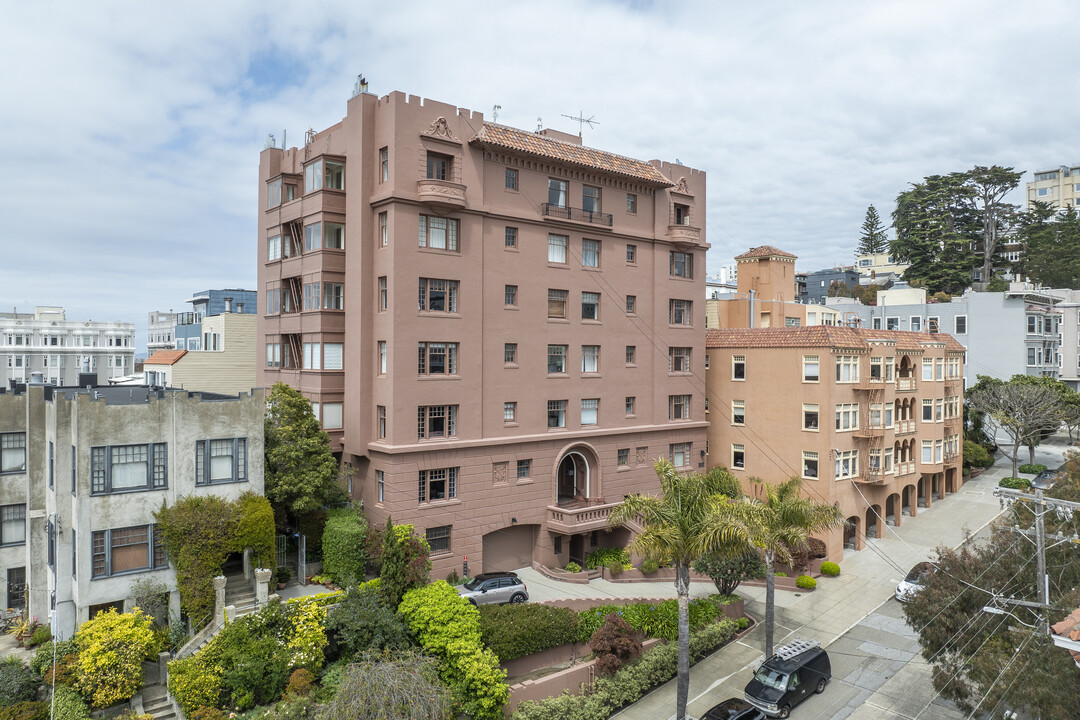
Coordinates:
<point>910,586</point>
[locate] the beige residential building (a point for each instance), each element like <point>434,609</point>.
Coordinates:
<point>226,363</point>
<point>870,419</point>
<point>765,294</point>
<point>1059,187</point>
<point>501,330</point>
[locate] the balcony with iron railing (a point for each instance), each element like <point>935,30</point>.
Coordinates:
<point>562,212</point>
<point>871,476</point>
<point>579,515</point>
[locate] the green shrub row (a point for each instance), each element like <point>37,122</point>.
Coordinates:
<point>1032,469</point>
<point>630,683</point>
<point>69,705</point>
<point>602,556</point>
<point>448,626</point>
<point>1015,483</point>
<point>660,620</point>
<point>515,630</point>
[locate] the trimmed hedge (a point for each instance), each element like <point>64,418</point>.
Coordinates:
<point>806,582</point>
<point>659,620</point>
<point>1015,483</point>
<point>343,543</point>
<point>630,683</point>
<point>515,630</point>
<point>830,568</point>
<point>448,626</point>
<point>1032,469</point>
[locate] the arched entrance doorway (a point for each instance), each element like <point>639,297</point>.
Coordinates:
<point>851,533</point>
<point>573,479</point>
<point>872,528</point>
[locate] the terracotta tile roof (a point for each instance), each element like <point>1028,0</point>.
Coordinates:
<point>1069,628</point>
<point>546,147</point>
<point>823,336</point>
<point>764,251</point>
<point>165,357</point>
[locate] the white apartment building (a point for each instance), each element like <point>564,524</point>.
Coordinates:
<point>46,342</point>
<point>160,331</point>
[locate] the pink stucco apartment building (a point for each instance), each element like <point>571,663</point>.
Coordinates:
<point>501,330</point>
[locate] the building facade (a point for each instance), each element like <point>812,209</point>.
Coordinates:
<point>1015,332</point>
<point>1060,187</point>
<point>1069,332</point>
<point>814,286</point>
<point>82,471</point>
<point>871,420</point>
<point>879,268</point>
<point>226,364</point>
<point>501,330</point>
<point>160,331</point>
<point>188,333</point>
<point>45,342</point>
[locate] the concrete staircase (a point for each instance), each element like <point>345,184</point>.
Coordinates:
<point>240,593</point>
<point>156,702</point>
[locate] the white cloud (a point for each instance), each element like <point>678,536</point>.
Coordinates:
<point>133,129</point>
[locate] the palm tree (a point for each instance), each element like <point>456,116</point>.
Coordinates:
<point>788,520</point>
<point>692,516</point>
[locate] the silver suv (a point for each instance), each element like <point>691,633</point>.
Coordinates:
<point>495,587</point>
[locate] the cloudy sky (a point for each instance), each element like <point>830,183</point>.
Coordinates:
<point>133,129</point>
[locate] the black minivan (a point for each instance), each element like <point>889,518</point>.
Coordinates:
<point>787,678</point>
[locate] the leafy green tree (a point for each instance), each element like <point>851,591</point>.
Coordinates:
<point>869,293</point>
<point>402,685</point>
<point>935,233</point>
<point>301,472</point>
<point>1025,412</point>
<point>363,621</point>
<point>989,186</point>
<point>873,238</point>
<point>392,581</point>
<point>727,571</point>
<point>691,517</point>
<point>1051,240</point>
<point>785,519</point>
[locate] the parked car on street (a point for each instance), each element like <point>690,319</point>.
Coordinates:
<point>734,709</point>
<point>1046,479</point>
<point>913,583</point>
<point>797,669</point>
<point>494,588</point>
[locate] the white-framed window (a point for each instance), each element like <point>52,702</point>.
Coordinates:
<point>679,359</point>
<point>590,358</point>
<point>738,456</point>
<point>437,295</point>
<point>738,367</point>
<point>679,454</point>
<point>557,248</point>
<point>928,368</point>
<point>1034,327</point>
<point>312,237</point>
<point>127,468</point>
<point>847,368</point>
<point>509,412</point>
<point>810,465</point>
<point>892,323</point>
<point>960,325</point>
<point>590,253</point>
<point>220,461</point>
<point>436,421</point>
<point>738,412</point>
<point>313,176</point>
<point>333,236</point>
<point>556,413</point>
<point>273,356</point>
<point>933,324</point>
<point>678,407</point>
<point>939,369</point>
<point>847,417</point>
<point>438,484</point>
<point>12,452</point>
<point>333,296</point>
<point>436,358</point>
<point>590,409</point>
<point>590,306</point>
<point>384,297</point>
<point>928,410</point>
<point>438,233</point>
<point>556,358</point>
<point>312,356</point>
<point>915,323</point>
<point>810,414</point>
<point>874,419</point>
<point>847,464</point>
<point>557,303</point>
<point>928,451</point>
<point>811,368</point>
<point>273,248</point>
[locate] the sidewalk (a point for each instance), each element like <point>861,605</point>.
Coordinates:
<point>867,580</point>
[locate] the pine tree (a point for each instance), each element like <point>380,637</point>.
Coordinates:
<point>873,238</point>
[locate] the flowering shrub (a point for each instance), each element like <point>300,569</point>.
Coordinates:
<point>308,636</point>
<point>112,647</point>
<point>448,627</point>
<point>194,683</point>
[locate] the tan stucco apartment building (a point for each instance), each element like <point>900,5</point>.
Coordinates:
<point>870,419</point>
<point>501,330</point>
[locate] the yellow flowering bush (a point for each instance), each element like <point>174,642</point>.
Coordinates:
<point>111,649</point>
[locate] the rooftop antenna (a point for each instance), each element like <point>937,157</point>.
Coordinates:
<point>582,121</point>
<point>495,113</point>
<point>360,86</point>
<point>539,123</point>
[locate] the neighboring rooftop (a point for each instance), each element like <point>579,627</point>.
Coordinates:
<point>764,251</point>
<point>824,336</point>
<point>165,357</point>
<point>546,147</point>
